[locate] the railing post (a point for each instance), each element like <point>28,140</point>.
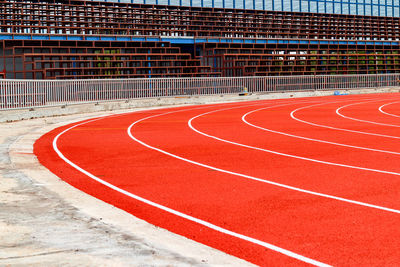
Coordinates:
<point>24,93</point>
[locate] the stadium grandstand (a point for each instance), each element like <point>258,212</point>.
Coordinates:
<point>197,38</point>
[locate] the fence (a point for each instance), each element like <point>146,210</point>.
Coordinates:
<point>15,94</point>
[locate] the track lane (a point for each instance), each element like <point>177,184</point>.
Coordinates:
<point>320,138</point>
<point>207,194</point>
<point>364,111</point>
<point>296,137</point>
<point>225,151</point>
<point>357,182</point>
<point>180,131</point>
<point>390,109</point>
<point>321,115</point>
<point>93,150</point>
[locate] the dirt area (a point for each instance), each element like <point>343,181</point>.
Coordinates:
<point>46,222</point>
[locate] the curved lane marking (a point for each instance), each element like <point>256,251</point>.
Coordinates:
<point>252,177</point>
<point>360,120</point>
<point>280,153</point>
<point>335,128</point>
<point>387,113</point>
<point>311,139</point>
<point>279,184</point>
<point>172,211</point>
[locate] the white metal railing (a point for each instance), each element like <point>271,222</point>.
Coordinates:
<point>15,94</point>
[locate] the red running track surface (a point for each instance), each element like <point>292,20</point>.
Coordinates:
<point>278,182</point>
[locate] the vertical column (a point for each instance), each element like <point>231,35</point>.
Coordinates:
<point>356,7</point>
<point>392,8</point>
<point>386,7</point>
<point>364,7</point>
<point>372,7</point>
<point>149,62</point>
<point>379,7</point>
<point>349,7</point>
<point>341,7</point>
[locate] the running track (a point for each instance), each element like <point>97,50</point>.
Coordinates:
<point>277,182</point>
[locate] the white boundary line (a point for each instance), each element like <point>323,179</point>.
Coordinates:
<point>274,183</point>
<point>387,113</point>
<point>255,178</point>
<point>310,139</point>
<point>284,154</point>
<point>355,119</point>
<point>130,130</point>
<point>177,213</point>
<point>335,128</point>
<point>214,227</point>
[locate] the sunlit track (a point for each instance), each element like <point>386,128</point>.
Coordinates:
<point>217,228</point>
<point>311,139</point>
<point>177,213</point>
<point>387,113</point>
<point>131,134</point>
<point>292,114</point>
<point>180,170</point>
<point>355,119</point>
<point>284,154</point>
<point>287,155</point>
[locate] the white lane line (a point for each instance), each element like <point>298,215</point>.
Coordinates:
<point>274,183</point>
<point>285,154</point>
<point>311,139</point>
<point>252,177</point>
<point>334,128</point>
<point>172,211</point>
<point>207,224</point>
<point>387,113</point>
<point>360,120</point>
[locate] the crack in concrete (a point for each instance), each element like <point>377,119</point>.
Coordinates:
<point>37,254</point>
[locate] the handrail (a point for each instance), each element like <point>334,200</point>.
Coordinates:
<point>17,94</point>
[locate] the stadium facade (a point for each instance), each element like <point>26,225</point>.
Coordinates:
<point>196,38</point>
<point>344,7</point>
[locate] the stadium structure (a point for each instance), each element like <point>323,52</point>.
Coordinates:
<point>197,38</point>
